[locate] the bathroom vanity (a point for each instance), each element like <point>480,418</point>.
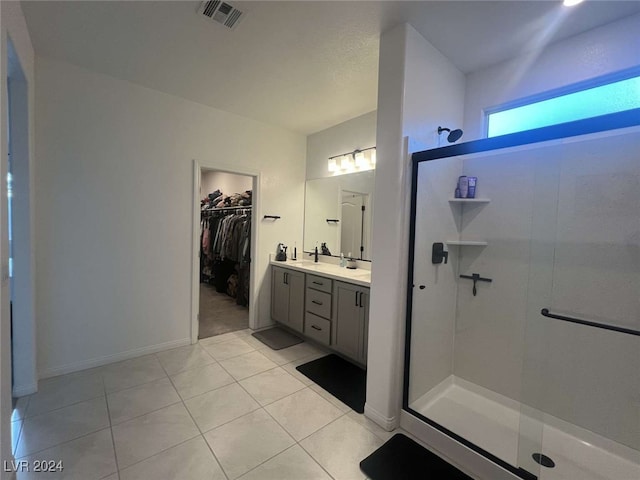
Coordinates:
<point>323,302</point>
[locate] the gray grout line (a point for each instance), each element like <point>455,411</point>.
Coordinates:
<point>64,443</point>
<point>113,440</point>
<point>198,427</point>
<point>182,401</point>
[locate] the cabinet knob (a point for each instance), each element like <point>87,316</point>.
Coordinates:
<point>315,327</point>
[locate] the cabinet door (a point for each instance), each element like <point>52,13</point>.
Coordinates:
<point>347,321</point>
<point>295,281</point>
<point>279,295</point>
<point>364,321</point>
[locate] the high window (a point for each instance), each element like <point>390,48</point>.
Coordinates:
<point>575,103</point>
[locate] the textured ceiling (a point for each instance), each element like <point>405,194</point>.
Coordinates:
<point>302,65</point>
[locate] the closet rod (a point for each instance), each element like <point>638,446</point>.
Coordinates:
<point>227,208</point>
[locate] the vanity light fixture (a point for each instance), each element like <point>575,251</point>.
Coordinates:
<point>346,162</point>
<point>359,160</point>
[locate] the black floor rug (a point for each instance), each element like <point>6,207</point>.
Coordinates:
<point>277,338</point>
<point>403,459</point>
<point>340,378</point>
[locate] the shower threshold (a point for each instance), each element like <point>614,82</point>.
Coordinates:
<point>492,422</point>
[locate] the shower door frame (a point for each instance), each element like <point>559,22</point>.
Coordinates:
<point>629,118</point>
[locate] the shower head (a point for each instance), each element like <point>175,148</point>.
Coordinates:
<point>454,135</point>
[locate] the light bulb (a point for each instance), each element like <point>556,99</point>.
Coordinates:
<point>360,160</point>
<point>332,166</point>
<point>571,3</point>
<point>346,162</point>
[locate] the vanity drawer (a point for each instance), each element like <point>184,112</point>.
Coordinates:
<point>317,328</point>
<point>318,303</point>
<point>319,283</point>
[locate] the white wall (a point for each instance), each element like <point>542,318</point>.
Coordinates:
<point>227,183</point>
<point>114,210</point>
<point>600,51</point>
<point>13,25</point>
<point>357,133</point>
<point>418,89</point>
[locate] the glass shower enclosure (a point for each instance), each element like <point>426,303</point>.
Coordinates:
<point>523,328</point>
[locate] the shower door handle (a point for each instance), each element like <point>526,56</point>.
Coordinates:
<point>614,328</point>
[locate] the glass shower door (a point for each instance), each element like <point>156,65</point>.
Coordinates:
<point>580,414</point>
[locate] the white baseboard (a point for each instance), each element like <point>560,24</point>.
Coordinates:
<point>388,423</point>
<point>22,390</point>
<point>117,357</point>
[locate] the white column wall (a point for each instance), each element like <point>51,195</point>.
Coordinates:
<point>418,90</point>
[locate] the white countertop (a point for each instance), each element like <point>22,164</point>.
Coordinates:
<point>359,276</point>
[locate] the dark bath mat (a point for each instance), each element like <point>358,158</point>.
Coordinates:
<point>403,459</point>
<point>277,338</point>
<point>340,378</point>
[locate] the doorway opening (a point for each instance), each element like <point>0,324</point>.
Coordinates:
<point>226,224</point>
<point>356,225</point>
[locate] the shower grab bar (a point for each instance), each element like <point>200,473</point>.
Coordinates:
<point>629,331</point>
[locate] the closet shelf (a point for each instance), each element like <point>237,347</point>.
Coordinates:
<point>467,243</point>
<point>469,200</point>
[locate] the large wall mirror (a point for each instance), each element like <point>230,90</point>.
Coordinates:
<point>338,212</point>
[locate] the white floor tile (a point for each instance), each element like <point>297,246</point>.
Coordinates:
<point>184,358</point>
<point>247,364</point>
<point>340,446</point>
<point>135,401</point>
<point>343,407</point>
<point>290,354</point>
<point>64,391</point>
<point>247,442</point>
<point>131,373</point>
<point>220,406</point>
<point>290,368</point>
<point>292,464</point>
<point>191,460</point>
<point>272,385</point>
<point>227,349</point>
<point>253,341</point>
<point>44,431</point>
<point>303,413</point>
<point>218,338</point>
<point>87,458</point>
<point>200,380</point>
<point>149,434</point>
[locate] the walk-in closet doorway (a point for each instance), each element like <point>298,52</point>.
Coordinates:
<point>225,233</point>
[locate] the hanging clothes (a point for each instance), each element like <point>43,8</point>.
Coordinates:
<point>226,251</point>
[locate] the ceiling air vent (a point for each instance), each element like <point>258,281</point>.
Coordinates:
<point>220,12</point>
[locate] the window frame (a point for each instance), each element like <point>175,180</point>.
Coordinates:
<point>599,81</point>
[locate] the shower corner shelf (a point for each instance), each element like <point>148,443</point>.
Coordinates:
<point>469,200</point>
<point>467,243</point>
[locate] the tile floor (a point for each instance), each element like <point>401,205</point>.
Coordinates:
<point>219,313</point>
<point>228,407</point>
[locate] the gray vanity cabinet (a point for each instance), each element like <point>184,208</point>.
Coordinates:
<point>287,297</point>
<point>351,320</point>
